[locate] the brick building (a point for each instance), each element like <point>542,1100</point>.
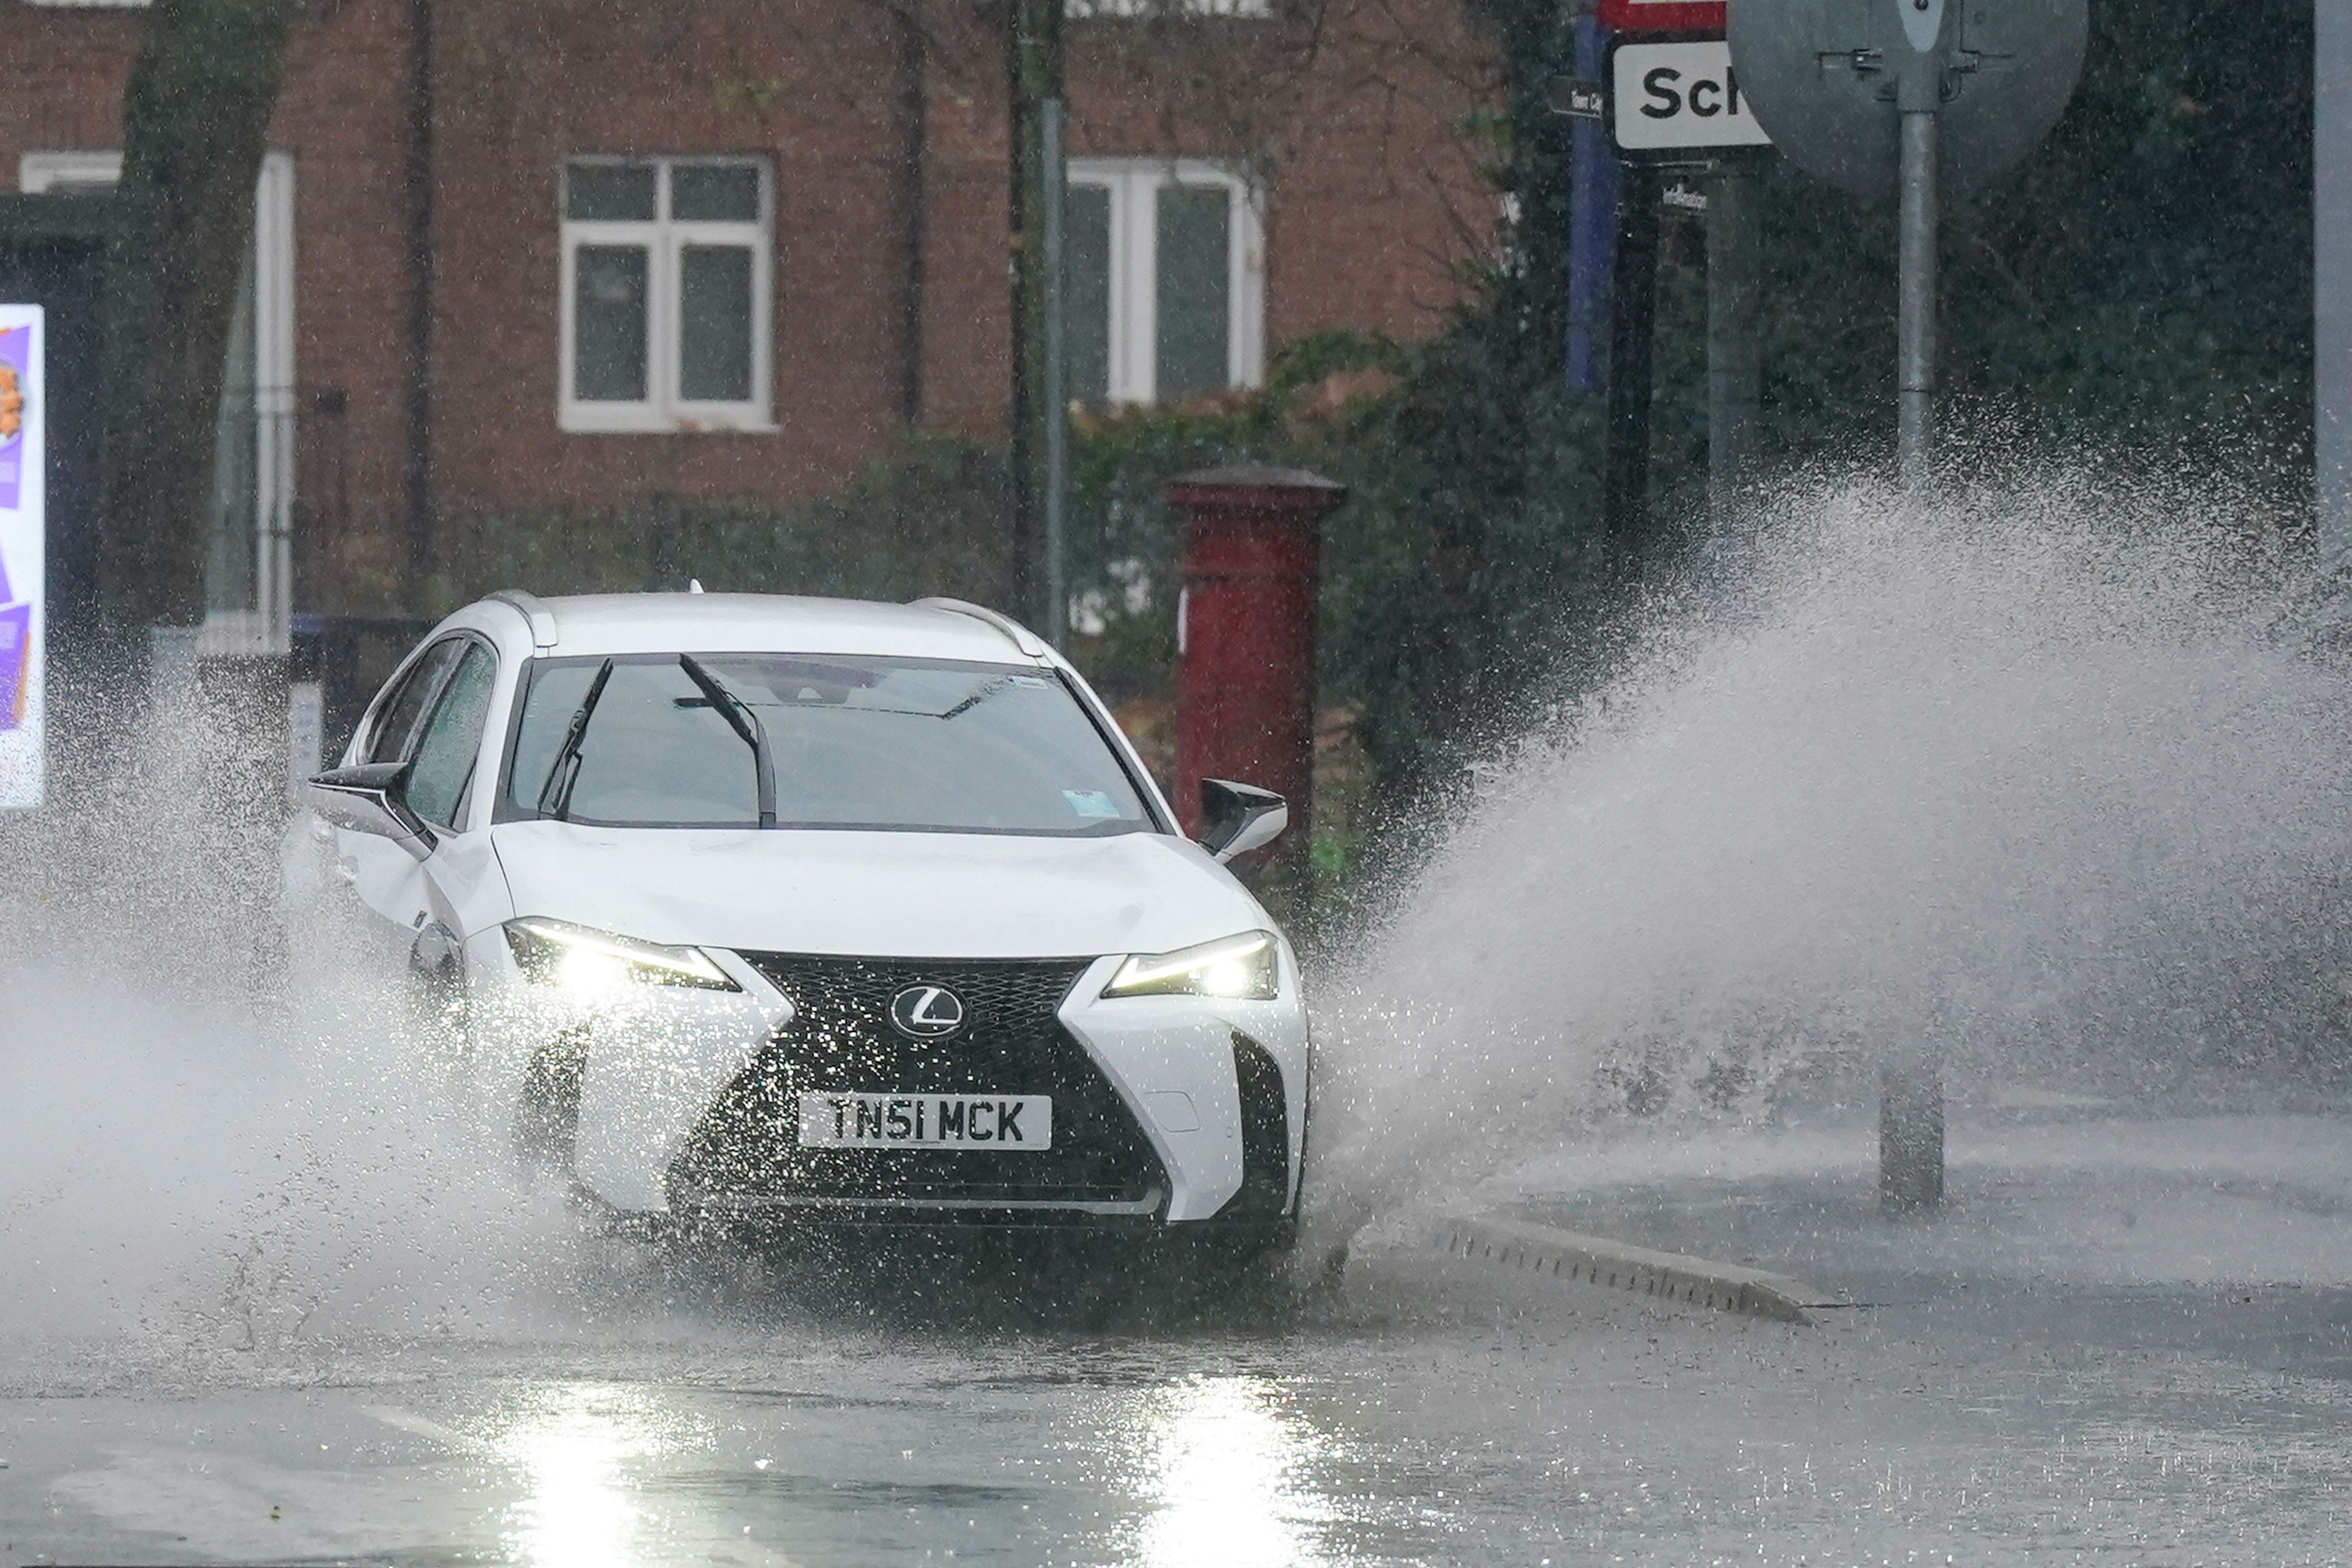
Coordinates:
<point>569,254</point>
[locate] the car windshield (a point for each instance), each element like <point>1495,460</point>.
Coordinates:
<point>857,742</point>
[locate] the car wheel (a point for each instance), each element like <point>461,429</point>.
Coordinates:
<point>1245,1264</point>
<point>547,1116</point>
<point>436,971</point>
<point>1252,1248</point>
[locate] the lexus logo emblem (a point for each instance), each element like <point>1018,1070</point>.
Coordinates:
<point>926,1012</point>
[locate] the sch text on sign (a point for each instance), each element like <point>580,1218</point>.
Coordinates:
<point>1673,96</point>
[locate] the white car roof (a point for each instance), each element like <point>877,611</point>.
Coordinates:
<point>600,624</point>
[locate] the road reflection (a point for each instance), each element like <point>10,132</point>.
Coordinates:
<point>841,1459</point>
<point>1222,1459</point>
<point>573,1445</point>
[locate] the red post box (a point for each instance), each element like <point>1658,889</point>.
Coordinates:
<point>1248,569</point>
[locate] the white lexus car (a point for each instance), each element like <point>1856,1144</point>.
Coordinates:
<point>815,911</point>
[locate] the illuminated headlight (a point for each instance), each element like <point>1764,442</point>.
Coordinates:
<point>1238,967</point>
<point>577,958</point>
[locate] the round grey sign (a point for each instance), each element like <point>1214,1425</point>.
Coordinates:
<point>1819,76</point>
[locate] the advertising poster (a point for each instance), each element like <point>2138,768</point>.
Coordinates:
<point>23,543</point>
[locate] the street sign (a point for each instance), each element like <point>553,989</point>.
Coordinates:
<point>1677,95</point>
<point>1638,17</point>
<point>1579,98</point>
<point>1824,75</point>
<point>1681,196</point>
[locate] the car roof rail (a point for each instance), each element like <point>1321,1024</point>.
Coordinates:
<point>1020,636</point>
<point>539,617</point>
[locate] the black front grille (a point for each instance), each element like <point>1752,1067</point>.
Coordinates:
<point>840,1040</point>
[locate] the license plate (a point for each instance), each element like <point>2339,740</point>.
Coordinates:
<point>926,1121</point>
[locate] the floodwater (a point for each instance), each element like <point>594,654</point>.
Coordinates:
<point>2053,783</point>
<point>1423,1414</point>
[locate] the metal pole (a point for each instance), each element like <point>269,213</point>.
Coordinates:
<point>1591,222</point>
<point>2332,278</point>
<point>1056,410</point>
<point>1910,1129</point>
<point>417,454</point>
<point>1915,357</point>
<point>1733,348</point>
<point>1625,498</point>
<point>914,165</point>
<point>1035,48</point>
<point>1910,1074</point>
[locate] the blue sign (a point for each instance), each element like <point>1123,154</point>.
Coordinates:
<point>24,754</point>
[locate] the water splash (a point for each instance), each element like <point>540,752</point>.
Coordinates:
<point>226,1158</point>
<point>2051,776</point>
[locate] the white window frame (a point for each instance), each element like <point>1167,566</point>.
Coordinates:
<point>267,629</point>
<point>1134,184</point>
<point>1086,10</point>
<point>663,411</point>
<point>38,172</point>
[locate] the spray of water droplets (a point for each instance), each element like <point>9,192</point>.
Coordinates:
<point>2053,775</point>
<point>230,1154</point>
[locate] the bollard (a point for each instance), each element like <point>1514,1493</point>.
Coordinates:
<point>1910,1132</point>
<point>1248,568</point>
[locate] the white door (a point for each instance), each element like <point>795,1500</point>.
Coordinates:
<point>386,877</point>
<point>417,909</point>
<point>462,888</point>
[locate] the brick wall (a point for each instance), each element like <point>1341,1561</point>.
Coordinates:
<point>524,84</point>
<point>1351,116</point>
<point>1352,111</point>
<point>342,115</point>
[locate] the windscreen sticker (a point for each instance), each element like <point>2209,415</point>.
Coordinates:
<point>1031,681</point>
<point>1091,804</point>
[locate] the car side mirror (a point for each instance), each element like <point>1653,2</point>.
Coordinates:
<point>1238,818</point>
<point>370,799</point>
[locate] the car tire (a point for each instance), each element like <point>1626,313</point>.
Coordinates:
<point>438,998</point>
<point>1249,1259</point>
<point>547,1114</point>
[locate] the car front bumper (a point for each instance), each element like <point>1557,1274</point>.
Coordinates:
<point>1169,1108</point>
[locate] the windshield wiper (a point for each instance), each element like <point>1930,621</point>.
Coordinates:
<point>743,722</point>
<point>555,792</point>
<point>979,693</point>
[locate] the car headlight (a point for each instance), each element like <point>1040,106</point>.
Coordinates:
<point>578,958</point>
<point>1237,967</point>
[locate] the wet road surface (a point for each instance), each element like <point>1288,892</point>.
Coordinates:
<point>1422,1413</point>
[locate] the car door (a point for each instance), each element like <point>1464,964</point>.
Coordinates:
<point>462,891</point>
<point>385,877</point>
